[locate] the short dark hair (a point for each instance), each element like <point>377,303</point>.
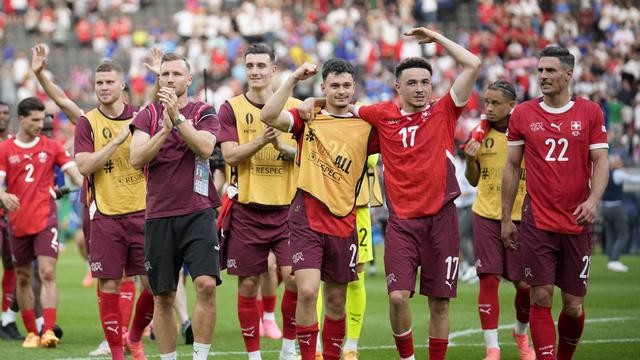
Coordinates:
<point>562,54</point>
<point>260,48</point>
<point>413,62</point>
<point>110,65</point>
<point>507,88</point>
<point>337,66</point>
<point>26,106</point>
<point>175,57</point>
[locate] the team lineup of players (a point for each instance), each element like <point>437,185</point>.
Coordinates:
<point>301,178</point>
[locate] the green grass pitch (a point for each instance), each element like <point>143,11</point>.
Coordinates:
<point>612,332</point>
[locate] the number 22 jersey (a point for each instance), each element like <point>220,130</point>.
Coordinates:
<point>557,143</point>
<point>28,168</point>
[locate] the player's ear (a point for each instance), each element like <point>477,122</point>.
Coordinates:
<point>322,87</point>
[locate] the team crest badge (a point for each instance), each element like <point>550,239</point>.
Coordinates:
<point>536,126</point>
<point>14,159</point>
<point>42,156</point>
<point>576,126</point>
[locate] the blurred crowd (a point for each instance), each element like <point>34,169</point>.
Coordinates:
<point>507,34</point>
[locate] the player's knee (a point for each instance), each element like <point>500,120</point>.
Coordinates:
<point>398,300</point>
<point>439,308</point>
<point>163,302</point>
<point>572,310</point>
<point>248,286</point>
<point>335,304</point>
<point>205,287</point>
<point>307,294</point>
<point>47,274</point>
<point>542,296</point>
<point>23,278</point>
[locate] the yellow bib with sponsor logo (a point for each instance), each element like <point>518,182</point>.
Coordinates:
<point>491,156</point>
<point>333,161</point>
<point>119,188</point>
<point>371,189</point>
<point>267,178</point>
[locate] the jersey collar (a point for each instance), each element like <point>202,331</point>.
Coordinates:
<point>25,145</point>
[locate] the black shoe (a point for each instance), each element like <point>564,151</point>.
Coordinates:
<point>187,332</point>
<point>3,335</point>
<point>58,331</point>
<point>12,331</point>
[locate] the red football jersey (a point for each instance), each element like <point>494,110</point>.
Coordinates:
<point>28,169</point>
<point>556,151</point>
<point>417,154</point>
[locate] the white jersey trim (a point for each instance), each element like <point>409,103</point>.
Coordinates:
<point>559,110</point>
<point>455,99</point>
<point>68,165</point>
<point>3,173</point>
<point>598,146</point>
<point>25,145</point>
<point>515,143</point>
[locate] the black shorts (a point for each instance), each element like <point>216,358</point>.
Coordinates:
<point>169,242</point>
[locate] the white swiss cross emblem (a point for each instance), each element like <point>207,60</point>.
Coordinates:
<point>576,126</point>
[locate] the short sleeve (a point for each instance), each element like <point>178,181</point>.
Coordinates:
<point>142,121</point>
<point>228,127</point>
<point>515,135</point>
<point>208,121</point>
<point>368,113</point>
<point>62,158</point>
<point>297,124</point>
<point>598,131</point>
<point>83,138</point>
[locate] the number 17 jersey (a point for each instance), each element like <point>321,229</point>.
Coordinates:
<point>557,144</point>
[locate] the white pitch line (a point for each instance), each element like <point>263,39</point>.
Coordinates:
<point>453,335</point>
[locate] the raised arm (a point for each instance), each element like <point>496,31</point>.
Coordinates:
<point>273,112</point>
<point>38,64</point>
<point>144,147</point>
<point>510,181</point>
<point>155,55</point>
<point>464,83</point>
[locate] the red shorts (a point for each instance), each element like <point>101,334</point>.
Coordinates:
<point>335,257</point>
<point>117,245</point>
<point>431,243</point>
<point>25,249</point>
<point>491,255</point>
<point>554,258</point>
<point>253,232</point>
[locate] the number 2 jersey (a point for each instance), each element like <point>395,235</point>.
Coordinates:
<point>28,169</point>
<point>557,143</point>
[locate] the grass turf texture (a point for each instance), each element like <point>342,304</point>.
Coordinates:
<point>612,308</point>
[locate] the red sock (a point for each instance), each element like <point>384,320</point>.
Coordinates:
<point>8,288</point>
<point>110,318</point>
<point>269,304</point>
<point>488,302</point>
<point>437,348</point>
<point>522,302</point>
<point>49,315</point>
<point>333,332</point>
<point>404,344</point>
<point>29,320</point>
<point>288,309</point>
<point>260,306</point>
<point>307,339</point>
<point>127,298</point>
<point>543,332</point>
<point>569,332</point>
<point>142,316</point>
<point>249,318</point>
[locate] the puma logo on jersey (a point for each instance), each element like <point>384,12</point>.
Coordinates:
<point>557,126</point>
